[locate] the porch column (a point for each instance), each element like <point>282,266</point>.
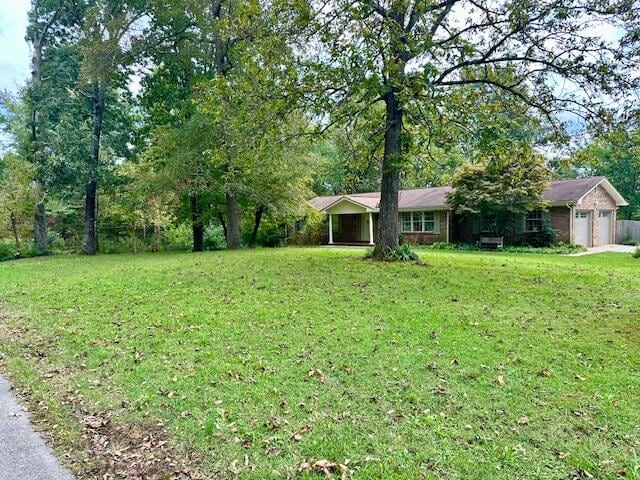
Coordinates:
<point>448,225</point>
<point>370,228</point>
<point>330,229</point>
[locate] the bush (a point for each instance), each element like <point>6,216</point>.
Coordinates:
<point>636,254</point>
<point>401,253</point>
<point>8,250</point>
<point>56,242</point>
<point>179,237</point>
<point>270,235</point>
<point>557,248</point>
<point>443,246</point>
<point>213,238</point>
<point>544,237</point>
<point>314,230</point>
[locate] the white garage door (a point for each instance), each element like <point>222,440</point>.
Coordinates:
<point>583,229</point>
<point>605,228</point>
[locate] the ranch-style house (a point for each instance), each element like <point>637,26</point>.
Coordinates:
<point>581,211</point>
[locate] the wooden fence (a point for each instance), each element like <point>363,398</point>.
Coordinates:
<point>628,231</point>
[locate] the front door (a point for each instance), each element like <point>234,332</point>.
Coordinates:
<point>605,228</point>
<point>582,227</point>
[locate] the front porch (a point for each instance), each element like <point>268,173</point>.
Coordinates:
<point>355,229</point>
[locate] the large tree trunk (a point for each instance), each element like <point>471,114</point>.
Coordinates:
<point>233,222</point>
<point>155,239</point>
<point>197,226</point>
<point>40,216</point>
<point>14,230</point>
<point>40,222</point>
<point>91,191</point>
<point>90,246</point>
<point>387,237</point>
<point>224,224</point>
<point>256,226</point>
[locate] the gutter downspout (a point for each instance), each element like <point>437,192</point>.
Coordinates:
<point>571,220</point>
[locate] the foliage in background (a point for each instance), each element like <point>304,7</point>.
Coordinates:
<point>501,184</point>
<point>615,154</point>
<point>17,199</point>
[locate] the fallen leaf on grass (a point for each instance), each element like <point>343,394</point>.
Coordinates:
<point>523,420</point>
<point>582,473</point>
<point>500,380</point>
<point>297,436</point>
<point>440,390</point>
<point>544,373</point>
<point>316,372</point>
<point>325,467</point>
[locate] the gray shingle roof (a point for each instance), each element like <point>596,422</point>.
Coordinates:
<point>558,191</point>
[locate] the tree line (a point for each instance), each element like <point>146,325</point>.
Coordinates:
<point>142,117</point>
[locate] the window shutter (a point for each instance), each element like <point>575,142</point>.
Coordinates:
<point>546,217</point>
<point>476,224</point>
<point>519,223</point>
<point>436,223</point>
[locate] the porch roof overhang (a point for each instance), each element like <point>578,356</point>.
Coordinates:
<point>347,204</point>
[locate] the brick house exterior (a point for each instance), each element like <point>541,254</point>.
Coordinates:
<point>581,211</point>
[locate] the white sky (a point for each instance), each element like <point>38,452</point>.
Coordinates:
<point>14,51</point>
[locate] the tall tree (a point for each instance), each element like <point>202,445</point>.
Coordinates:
<point>110,31</point>
<point>408,53</point>
<point>616,155</point>
<point>194,41</point>
<point>47,32</point>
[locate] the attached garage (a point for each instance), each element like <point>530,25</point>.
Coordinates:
<point>606,227</point>
<point>582,228</point>
<point>594,218</point>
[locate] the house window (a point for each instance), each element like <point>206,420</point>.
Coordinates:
<point>406,221</point>
<point>487,223</point>
<point>417,222</point>
<point>414,222</point>
<point>429,222</point>
<point>533,221</point>
<point>582,214</point>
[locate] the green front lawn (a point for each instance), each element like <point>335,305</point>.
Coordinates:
<point>480,365</point>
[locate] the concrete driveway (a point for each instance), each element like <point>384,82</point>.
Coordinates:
<point>606,249</point>
<point>24,455</point>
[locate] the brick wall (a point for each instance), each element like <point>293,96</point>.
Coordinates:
<point>561,218</point>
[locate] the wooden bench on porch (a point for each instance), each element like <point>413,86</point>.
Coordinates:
<point>493,243</point>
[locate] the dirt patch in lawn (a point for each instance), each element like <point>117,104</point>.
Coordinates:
<point>133,451</point>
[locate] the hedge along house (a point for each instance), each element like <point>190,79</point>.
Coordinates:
<point>581,211</point>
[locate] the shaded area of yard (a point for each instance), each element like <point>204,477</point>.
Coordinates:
<point>480,365</point>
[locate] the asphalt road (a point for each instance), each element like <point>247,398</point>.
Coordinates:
<point>24,455</point>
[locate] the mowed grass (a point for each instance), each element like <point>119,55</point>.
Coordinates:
<point>480,365</point>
